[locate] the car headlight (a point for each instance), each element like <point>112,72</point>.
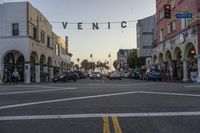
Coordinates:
<point>98,75</point>
<point>61,76</point>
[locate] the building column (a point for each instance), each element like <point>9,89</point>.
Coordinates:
<point>185,72</point>
<point>37,73</point>
<point>45,69</point>
<point>198,67</point>
<point>27,73</point>
<point>51,73</point>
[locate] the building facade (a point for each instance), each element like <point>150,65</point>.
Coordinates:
<point>178,40</point>
<point>29,45</point>
<point>122,56</point>
<point>145,38</point>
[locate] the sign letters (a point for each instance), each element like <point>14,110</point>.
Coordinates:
<point>94,26</point>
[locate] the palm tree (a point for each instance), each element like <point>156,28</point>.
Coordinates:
<point>78,59</point>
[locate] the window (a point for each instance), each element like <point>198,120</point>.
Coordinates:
<point>48,42</point>
<point>171,26</point>
<point>184,23</point>
<point>57,49</point>
<point>34,33</point>
<point>42,37</point>
<point>161,34</point>
<point>15,29</point>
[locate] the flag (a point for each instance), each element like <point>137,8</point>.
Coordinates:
<point>109,55</point>
<point>90,55</point>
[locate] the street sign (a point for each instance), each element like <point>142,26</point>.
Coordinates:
<point>184,15</point>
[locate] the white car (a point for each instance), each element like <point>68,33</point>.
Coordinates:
<point>115,75</point>
<point>126,74</point>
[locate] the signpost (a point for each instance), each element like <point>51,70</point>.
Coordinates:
<point>184,15</point>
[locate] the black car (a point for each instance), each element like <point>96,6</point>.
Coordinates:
<point>81,74</point>
<point>65,76</point>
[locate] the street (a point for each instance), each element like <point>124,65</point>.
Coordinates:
<point>100,106</point>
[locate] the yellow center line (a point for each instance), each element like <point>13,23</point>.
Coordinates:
<point>116,125</point>
<point>106,127</point>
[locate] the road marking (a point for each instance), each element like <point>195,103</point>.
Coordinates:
<point>106,127</point>
<point>116,125</point>
<point>35,91</point>
<point>66,99</point>
<point>85,116</point>
<point>169,93</point>
<point>193,86</point>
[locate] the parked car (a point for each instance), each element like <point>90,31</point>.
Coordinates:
<point>95,75</point>
<point>131,74</point>
<point>126,74</point>
<point>136,74</point>
<point>115,75</point>
<point>142,74</point>
<point>65,76</point>
<point>153,74</point>
<point>81,75</point>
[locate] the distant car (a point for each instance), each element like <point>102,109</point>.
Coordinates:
<point>136,74</point>
<point>81,74</point>
<point>65,76</point>
<point>126,74</point>
<point>115,75</point>
<point>153,74</point>
<point>95,75</point>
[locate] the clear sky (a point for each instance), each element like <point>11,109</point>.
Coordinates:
<point>100,42</point>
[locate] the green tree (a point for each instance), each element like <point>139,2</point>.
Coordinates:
<point>133,61</point>
<point>76,66</point>
<point>85,64</point>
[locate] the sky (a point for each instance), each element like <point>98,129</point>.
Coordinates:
<point>100,43</point>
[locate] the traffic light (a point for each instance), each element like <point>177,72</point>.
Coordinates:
<point>167,11</point>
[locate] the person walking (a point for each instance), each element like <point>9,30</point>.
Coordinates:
<point>15,75</point>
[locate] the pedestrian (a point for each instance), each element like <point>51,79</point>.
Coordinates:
<point>16,76</point>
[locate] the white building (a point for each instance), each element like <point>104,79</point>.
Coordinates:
<point>145,38</point>
<point>122,56</point>
<point>28,43</point>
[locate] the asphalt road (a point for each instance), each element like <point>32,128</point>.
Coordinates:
<point>100,106</point>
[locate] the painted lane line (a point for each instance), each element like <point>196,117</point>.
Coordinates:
<point>85,116</point>
<point>106,127</point>
<point>116,125</point>
<point>193,86</point>
<point>35,91</point>
<point>65,99</point>
<point>169,93</point>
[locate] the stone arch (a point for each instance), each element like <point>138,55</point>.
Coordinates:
<point>11,60</point>
<point>49,61</point>
<point>42,60</point>
<point>168,56</point>
<point>155,59</point>
<point>189,50</point>
<point>177,54</point>
<point>33,62</point>
<point>160,58</point>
